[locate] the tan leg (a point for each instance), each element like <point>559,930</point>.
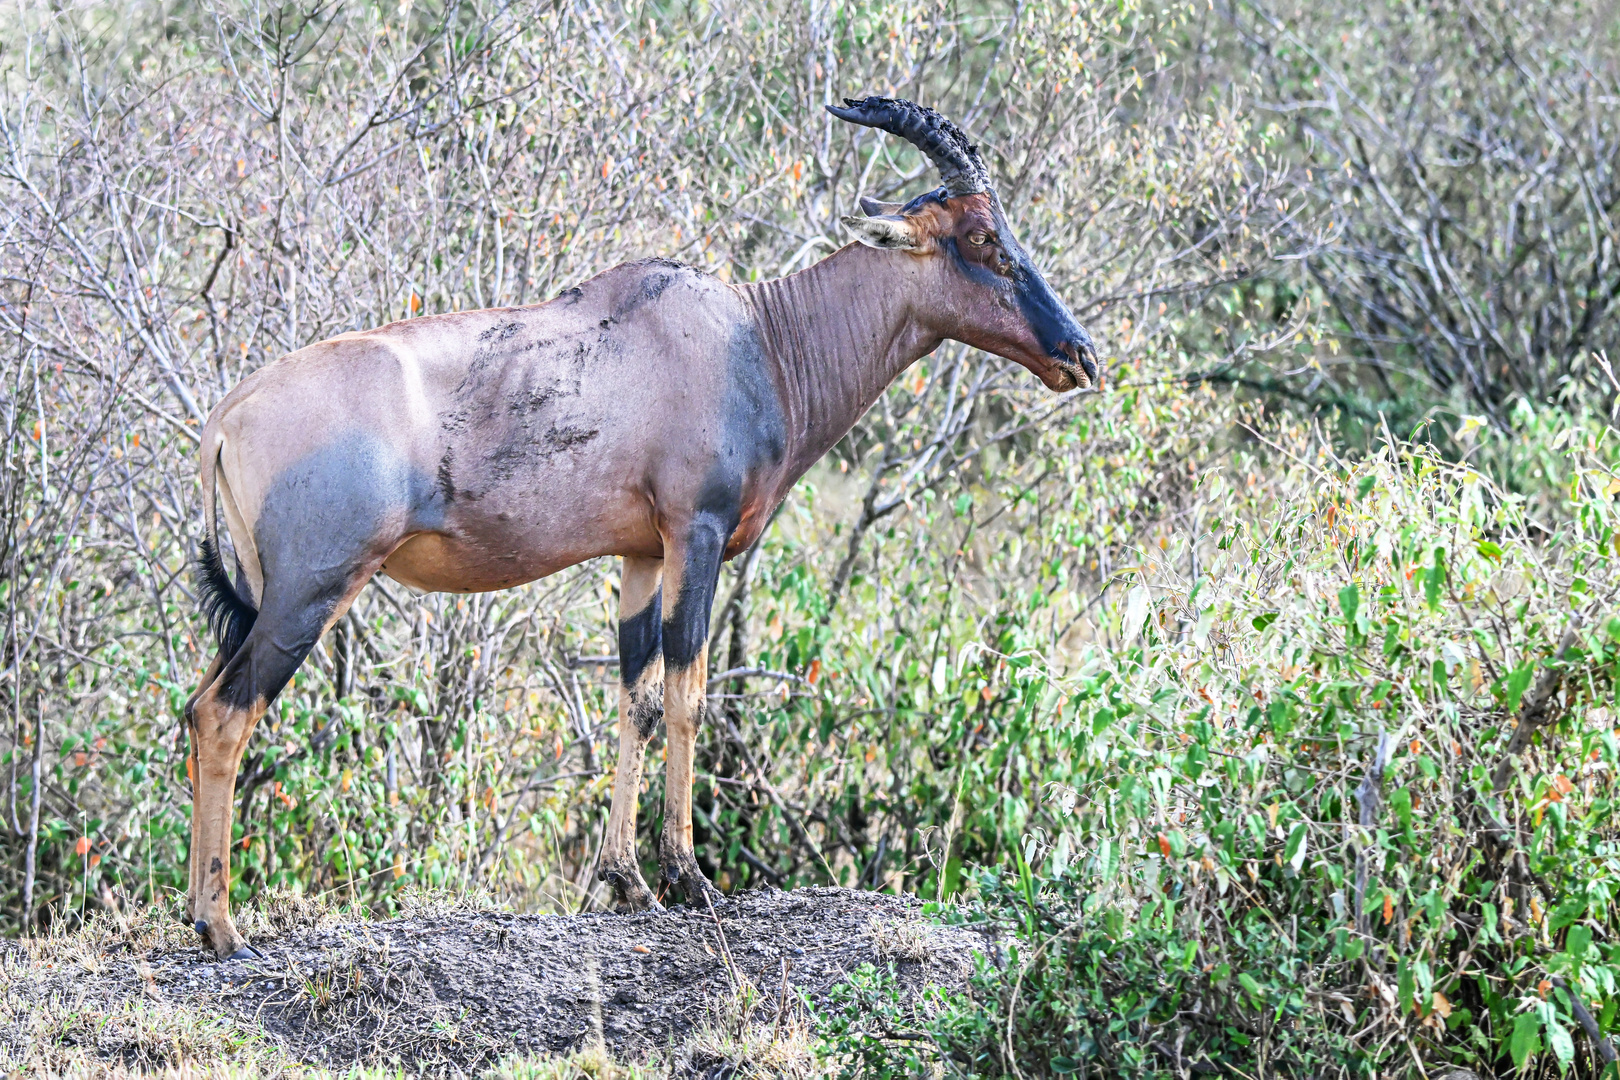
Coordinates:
<point>194,885</point>
<point>684,695</point>
<point>641,676</point>
<point>222,730</point>
<point>687,602</point>
<point>223,716</point>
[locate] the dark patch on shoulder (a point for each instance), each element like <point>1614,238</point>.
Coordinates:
<point>572,296</point>
<point>500,332</point>
<point>756,429</point>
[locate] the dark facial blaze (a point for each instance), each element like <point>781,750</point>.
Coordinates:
<point>1025,320</point>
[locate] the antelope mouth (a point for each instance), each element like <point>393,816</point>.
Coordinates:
<point>1077,367</point>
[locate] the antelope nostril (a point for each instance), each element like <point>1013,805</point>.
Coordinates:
<point>1088,359</point>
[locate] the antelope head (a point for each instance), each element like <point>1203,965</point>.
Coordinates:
<point>991,295</point>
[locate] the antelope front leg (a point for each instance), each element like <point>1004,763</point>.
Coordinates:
<point>687,601</point>
<point>641,703</point>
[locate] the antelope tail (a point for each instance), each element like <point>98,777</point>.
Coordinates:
<point>230,615</point>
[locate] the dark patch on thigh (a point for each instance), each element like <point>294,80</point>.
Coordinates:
<point>323,520</point>
<point>327,509</point>
<point>571,296</point>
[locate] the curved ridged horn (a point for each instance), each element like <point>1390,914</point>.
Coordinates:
<point>941,141</point>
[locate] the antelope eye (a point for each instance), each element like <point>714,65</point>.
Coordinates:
<point>978,239</point>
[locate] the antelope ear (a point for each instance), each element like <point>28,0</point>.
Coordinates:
<point>872,207</point>
<point>889,232</point>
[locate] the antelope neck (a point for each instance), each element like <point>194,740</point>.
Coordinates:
<point>838,333</point>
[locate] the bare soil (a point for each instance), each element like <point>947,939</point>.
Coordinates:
<point>454,990</point>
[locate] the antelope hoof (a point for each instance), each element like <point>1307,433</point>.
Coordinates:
<point>680,871</point>
<point>224,941</point>
<point>630,891</point>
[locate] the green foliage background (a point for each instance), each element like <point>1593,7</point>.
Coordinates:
<point>1266,700</point>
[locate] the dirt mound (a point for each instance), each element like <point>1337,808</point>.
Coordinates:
<point>455,990</point>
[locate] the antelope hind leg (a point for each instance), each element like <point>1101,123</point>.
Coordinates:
<point>292,619</point>
<point>193,775</point>
<point>641,696</point>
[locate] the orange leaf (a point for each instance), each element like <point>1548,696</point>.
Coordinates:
<point>605,166</point>
<point>1542,988</point>
<point>1414,746</point>
<point>1389,908</point>
<point>1164,845</point>
<point>82,846</point>
<point>95,860</point>
<point>815,672</point>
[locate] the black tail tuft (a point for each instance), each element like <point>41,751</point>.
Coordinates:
<point>229,616</point>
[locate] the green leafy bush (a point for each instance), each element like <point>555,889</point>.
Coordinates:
<point>1343,802</point>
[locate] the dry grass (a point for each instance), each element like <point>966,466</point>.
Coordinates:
<point>902,939</point>
<point>745,1034</point>
<point>592,1063</point>
<point>130,1037</point>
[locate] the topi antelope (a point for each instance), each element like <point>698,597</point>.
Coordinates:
<point>653,412</point>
